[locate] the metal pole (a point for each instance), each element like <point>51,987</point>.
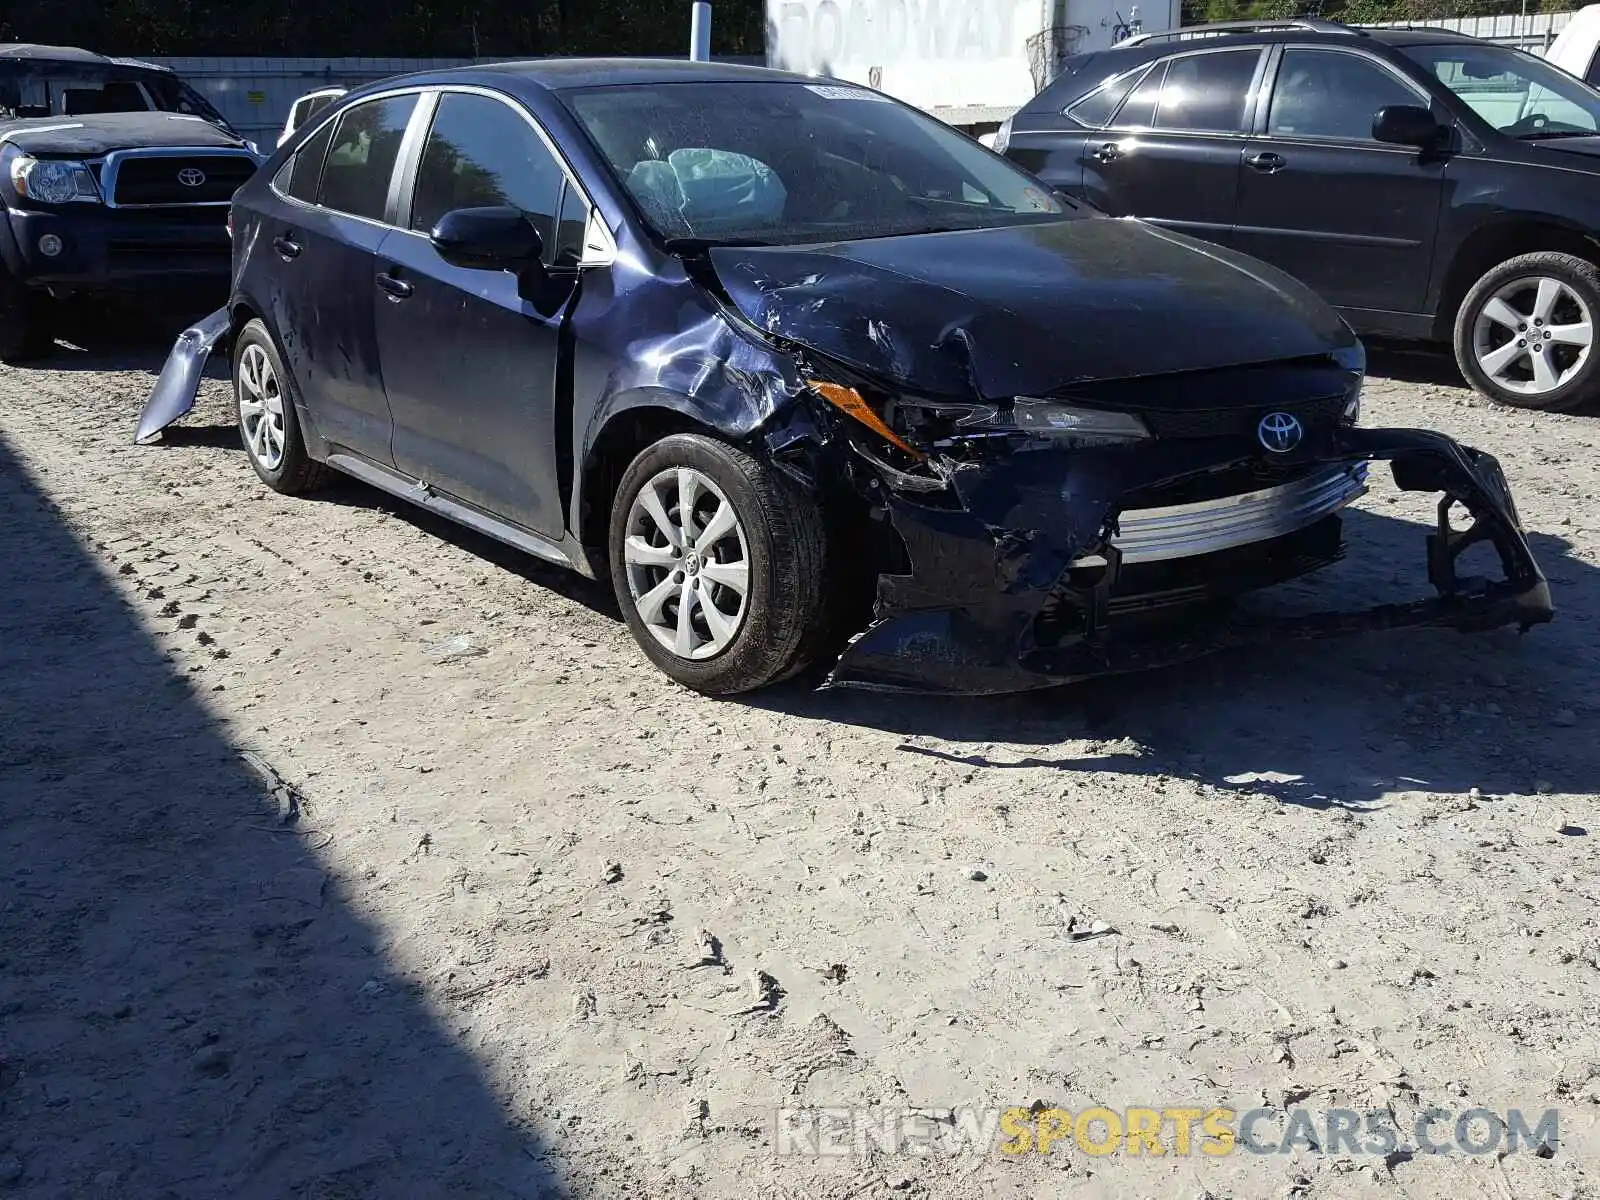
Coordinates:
<point>700,33</point>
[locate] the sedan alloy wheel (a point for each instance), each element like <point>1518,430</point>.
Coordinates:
<point>261,408</point>
<point>688,563</point>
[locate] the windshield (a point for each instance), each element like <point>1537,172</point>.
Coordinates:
<point>71,90</point>
<point>787,162</point>
<point>1517,93</point>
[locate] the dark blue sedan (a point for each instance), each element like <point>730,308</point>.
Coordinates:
<point>804,370</point>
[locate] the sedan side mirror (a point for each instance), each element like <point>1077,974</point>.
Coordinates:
<point>1408,125</point>
<point>491,239</point>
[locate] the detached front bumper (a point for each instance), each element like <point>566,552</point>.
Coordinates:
<point>1017,588</point>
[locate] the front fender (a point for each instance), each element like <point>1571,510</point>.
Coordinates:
<point>174,392</point>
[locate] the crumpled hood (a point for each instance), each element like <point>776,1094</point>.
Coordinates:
<point>90,136</point>
<point>1028,309</point>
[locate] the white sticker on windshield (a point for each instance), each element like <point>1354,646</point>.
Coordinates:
<point>830,91</point>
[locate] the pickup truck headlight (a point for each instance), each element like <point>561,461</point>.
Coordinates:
<point>53,181</point>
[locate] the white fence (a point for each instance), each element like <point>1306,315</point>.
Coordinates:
<point>254,94</point>
<point>1534,32</point>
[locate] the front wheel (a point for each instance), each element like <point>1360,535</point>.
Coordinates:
<point>24,321</point>
<point>718,564</point>
<point>1524,334</point>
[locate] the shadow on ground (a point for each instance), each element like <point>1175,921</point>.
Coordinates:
<point>189,1007</point>
<point>120,335</point>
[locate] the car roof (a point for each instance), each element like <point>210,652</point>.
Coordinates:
<point>1320,34</point>
<point>561,74</point>
<point>31,52</point>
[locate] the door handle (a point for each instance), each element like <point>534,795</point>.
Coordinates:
<point>1266,162</point>
<point>1109,152</point>
<point>396,289</point>
<point>288,249</point>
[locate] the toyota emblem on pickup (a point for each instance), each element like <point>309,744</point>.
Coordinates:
<point>1279,432</point>
<point>191,177</point>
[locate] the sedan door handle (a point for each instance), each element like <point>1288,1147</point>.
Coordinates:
<point>1265,162</point>
<point>1109,152</point>
<point>288,249</point>
<point>397,289</point>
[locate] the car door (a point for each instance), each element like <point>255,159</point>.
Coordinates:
<point>1319,197</point>
<point>1171,153</point>
<point>469,364</point>
<point>323,237</point>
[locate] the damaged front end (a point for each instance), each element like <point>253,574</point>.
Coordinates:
<point>175,390</point>
<point>1047,541</point>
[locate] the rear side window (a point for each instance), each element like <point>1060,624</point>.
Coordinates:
<point>483,153</point>
<point>1095,110</point>
<point>361,157</point>
<point>302,174</point>
<point>1207,92</point>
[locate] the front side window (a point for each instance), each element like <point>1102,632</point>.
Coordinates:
<point>481,153</point>
<point>782,162</point>
<point>1516,93</point>
<point>1330,94</point>
<point>361,157</point>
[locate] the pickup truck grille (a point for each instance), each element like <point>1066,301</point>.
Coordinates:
<point>178,178</point>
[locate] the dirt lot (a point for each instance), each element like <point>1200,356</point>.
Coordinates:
<point>296,902</point>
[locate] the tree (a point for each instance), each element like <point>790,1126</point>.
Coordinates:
<point>383,28</point>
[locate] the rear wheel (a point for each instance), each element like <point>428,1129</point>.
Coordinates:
<point>718,564</point>
<point>1524,334</point>
<point>24,321</point>
<point>267,422</point>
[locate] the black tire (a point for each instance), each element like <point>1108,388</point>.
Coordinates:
<point>24,321</point>
<point>783,625</point>
<point>296,472</point>
<point>1579,275</point>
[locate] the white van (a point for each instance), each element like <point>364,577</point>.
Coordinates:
<point>308,106</point>
<point>1574,49</point>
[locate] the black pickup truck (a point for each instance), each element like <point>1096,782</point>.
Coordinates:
<point>116,177</point>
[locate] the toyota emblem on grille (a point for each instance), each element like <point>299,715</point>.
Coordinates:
<point>191,177</point>
<point>1280,432</point>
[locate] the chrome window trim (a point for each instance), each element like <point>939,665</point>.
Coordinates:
<point>111,165</point>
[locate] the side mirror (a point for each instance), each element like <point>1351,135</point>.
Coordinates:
<point>1408,125</point>
<point>489,239</point>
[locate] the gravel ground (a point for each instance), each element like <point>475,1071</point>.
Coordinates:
<point>296,899</point>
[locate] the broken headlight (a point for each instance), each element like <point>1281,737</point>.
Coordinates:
<point>1026,416</point>
<point>917,426</point>
<point>53,181</point>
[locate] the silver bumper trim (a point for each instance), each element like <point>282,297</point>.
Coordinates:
<point>1184,530</point>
